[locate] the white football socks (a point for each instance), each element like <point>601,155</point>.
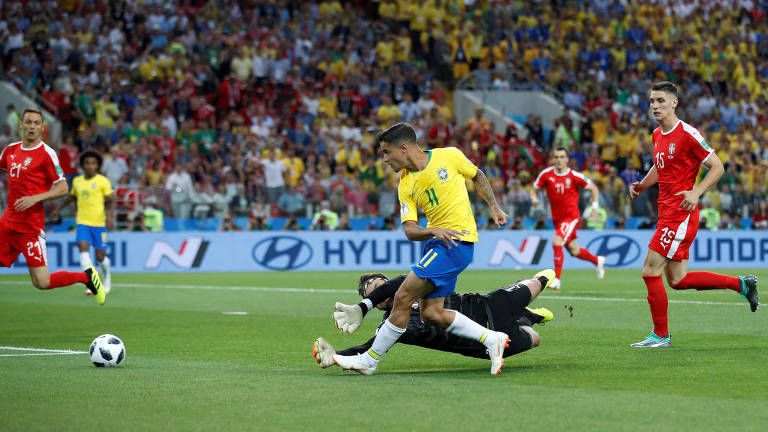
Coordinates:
<point>386,337</point>
<point>85,260</point>
<point>466,328</point>
<point>104,264</point>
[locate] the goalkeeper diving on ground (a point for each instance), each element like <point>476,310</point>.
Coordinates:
<point>504,309</point>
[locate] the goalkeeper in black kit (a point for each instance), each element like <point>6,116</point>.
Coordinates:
<point>504,309</point>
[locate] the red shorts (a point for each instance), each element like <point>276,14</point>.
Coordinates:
<point>13,243</point>
<point>566,228</point>
<point>673,237</point>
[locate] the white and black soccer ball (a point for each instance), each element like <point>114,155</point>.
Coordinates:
<point>107,351</point>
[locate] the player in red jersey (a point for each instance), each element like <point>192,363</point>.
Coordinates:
<point>562,186</point>
<point>678,150</point>
<point>33,168</point>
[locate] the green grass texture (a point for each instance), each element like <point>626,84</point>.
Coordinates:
<point>191,365</point>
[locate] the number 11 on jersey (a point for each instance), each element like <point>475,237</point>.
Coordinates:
<point>432,197</point>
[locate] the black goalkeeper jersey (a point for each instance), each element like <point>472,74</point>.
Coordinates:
<point>498,310</point>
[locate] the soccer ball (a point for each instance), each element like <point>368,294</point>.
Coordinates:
<point>107,351</point>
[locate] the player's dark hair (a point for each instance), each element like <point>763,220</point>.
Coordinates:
<point>666,86</point>
<point>32,111</point>
<point>561,148</point>
<point>366,279</point>
<point>395,134</point>
<point>90,154</point>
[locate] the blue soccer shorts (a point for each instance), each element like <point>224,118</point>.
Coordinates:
<point>442,265</point>
<point>96,236</point>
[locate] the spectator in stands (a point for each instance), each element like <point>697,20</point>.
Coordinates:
<point>7,137</point>
<point>291,224</point>
<point>291,202</point>
<point>12,120</point>
<point>179,187</point>
<point>620,223</point>
<point>325,218</point>
<point>258,223</point>
<point>338,200</point>
<point>228,224</point>
<point>343,223</point>
<point>760,216</point>
<point>202,200</point>
<point>387,204</point>
<point>114,166</point>
<point>274,175</point>
<point>137,223</point>
<point>516,224</point>
<point>220,202</point>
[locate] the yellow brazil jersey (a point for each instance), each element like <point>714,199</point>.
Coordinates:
<point>439,190</point>
<point>90,195</point>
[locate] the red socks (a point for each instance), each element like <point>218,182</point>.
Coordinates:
<point>66,278</point>
<point>657,300</point>
<point>586,256</point>
<point>701,280</point>
<point>558,260</point>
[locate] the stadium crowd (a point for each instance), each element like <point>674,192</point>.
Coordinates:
<point>269,108</point>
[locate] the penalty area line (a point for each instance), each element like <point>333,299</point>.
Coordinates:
<point>27,352</point>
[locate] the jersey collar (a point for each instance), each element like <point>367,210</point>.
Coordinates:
<point>21,146</point>
<point>673,128</point>
<point>554,171</point>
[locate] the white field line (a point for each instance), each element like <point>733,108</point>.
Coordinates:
<point>348,291</point>
<point>37,352</point>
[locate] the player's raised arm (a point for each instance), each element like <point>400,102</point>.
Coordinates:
<point>483,188</point>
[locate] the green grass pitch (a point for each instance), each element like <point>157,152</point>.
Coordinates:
<point>189,366</point>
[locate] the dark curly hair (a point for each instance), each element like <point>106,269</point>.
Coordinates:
<point>90,153</point>
<point>366,279</point>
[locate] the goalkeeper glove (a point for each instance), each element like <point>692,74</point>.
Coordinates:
<point>347,317</point>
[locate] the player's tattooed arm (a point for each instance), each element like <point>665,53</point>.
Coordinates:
<point>483,188</point>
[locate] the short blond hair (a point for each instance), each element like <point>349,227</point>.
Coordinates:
<point>33,111</point>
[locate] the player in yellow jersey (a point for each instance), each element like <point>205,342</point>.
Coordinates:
<point>435,182</point>
<point>95,207</point>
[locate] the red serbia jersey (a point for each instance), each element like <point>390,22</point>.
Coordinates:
<point>30,172</point>
<point>562,191</point>
<point>678,154</point>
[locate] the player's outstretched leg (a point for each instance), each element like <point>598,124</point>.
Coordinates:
<point>749,291</point>
<point>654,341</point>
<point>95,286</point>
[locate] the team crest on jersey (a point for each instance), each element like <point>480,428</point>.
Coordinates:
<point>443,174</point>
<point>567,182</point>
<point>671,148</point>
<point>93,185</point>
<point>27,161</point>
